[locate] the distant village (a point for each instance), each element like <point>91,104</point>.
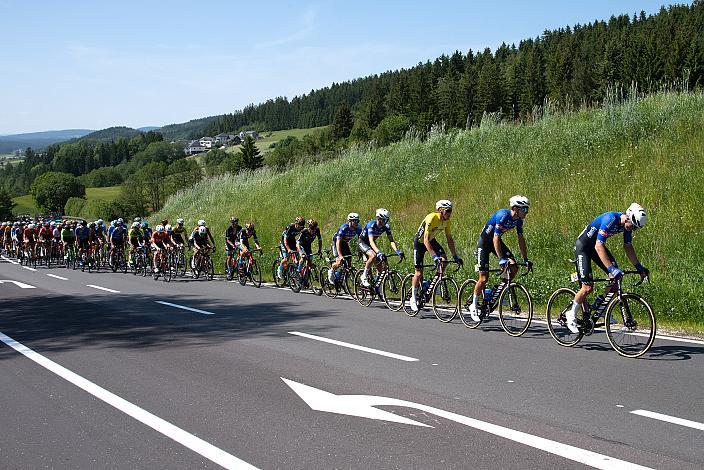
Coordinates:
<point>205,144</point>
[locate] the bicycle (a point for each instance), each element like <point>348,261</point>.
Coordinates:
<point>165,268</point>
<point>141,263</point>
<point>118,261</point>
<point>344,276</point>
<point>292,260</point>
<point>512,299</point>
<point>386,285</point>
<point>70,256</point>
<point>202,264</point>
<point>440,291</point>
<point>304,276</point>
<point>180,261</point>
<point>628,319</point>
<point>248,268</point>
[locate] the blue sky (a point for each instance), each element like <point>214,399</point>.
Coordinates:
<point>92,64</point>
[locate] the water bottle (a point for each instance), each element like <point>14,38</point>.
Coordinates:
<point>487,294</point>
<point>597,301</point>
<point>425,285</point>
<point>338,274</point>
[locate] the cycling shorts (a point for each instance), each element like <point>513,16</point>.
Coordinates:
<point>585,253</point>
<point>419,251</point>
<point>485,246</point>
<point>345,249</point>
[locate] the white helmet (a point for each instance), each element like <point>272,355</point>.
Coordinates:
<point>636,214</point>
<point>518,201</point>
<point>168,228</point>
<point>443,204</point>
<point>159,228</point>
<point>135,224</point>
<point>201,223</point>
<point>383,214</point>
<point>100,222</point>
<point>179,221</point>
<point>353,216</point>
<point>31,226</point>
<point>202,230</point>
<point>137,219</point>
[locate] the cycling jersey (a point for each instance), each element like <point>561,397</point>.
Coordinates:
<point>201,240</point>
<point>110,230</point>
<point>158,238</point>
<point>305,239</point>
<point>346,233</point>
<point>432,223</point>
<point>30,235</point>
<point>67,235</point>
<point>135,234</point>
<point>245,236</point>
<point>290,233</point>
<point>118,234</point>
<point>372,229</point>
<point>500,223</point>
<point>44,233</point>
<point>606,225</point>
<point>179,230</point>
<point>232,233</point>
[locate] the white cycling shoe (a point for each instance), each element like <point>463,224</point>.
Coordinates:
<point>365,281</point>
<point>474,313</point>
<point>572,321</point>
<point>414,304</point>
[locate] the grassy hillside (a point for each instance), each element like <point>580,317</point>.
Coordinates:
<point>573,167</point>
<point>27,205</point>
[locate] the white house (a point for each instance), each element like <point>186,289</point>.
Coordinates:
<point>207,142</point>
<point>194,147</point>
<point>252,134</point>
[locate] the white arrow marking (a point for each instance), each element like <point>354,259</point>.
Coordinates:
<point>19,284</point>
<point>363,406</point>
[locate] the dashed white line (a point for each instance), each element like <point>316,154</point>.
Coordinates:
<point>57,277</point>
<point>354,346</point>
<point>670,419</point>
<point>28,268</point>
<point>103,288</point>
<point>184,438</point>
<point>190,309</point>
<point>9,260</point>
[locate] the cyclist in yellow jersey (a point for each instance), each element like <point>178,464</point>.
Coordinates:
<point>425,240</point>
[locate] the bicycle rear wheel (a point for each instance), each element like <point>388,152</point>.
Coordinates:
<point>330,290</point>
<point>316,283</point>
<point>559,303</point>
<point>255,274</point>
<point>464,302</point>
<point>630,325</point>
<point>515,309</point>
<point>444,299</point>
<point>392,287</point>
<point>406,290</point>
<point>362,294</point>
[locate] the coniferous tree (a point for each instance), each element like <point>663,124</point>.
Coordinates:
<point>251,159</point>
<point>343,123</point>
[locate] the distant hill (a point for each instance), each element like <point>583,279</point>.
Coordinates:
<point>39,140</point>
<point>148,128</point>
<point>112,133</point>
<point>192,129</point>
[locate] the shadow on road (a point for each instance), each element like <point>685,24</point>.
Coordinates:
<point>59,322</point>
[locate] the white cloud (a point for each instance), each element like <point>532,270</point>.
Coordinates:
<point>305,29</point>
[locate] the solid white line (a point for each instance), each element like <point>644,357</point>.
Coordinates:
<point>57,277</point>
<point>185,308</point>
<point>103,288</point>
<point>28,268</point>
<point>184,438</point>
<point>670,419</point>
<point>354,346</point>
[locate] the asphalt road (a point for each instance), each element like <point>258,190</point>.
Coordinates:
<point>127,378</point>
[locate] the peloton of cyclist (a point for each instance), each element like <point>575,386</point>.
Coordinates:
<point>340,243</point>
<point>490,241</point>
<point>425,241</point>
<point>591,246</point>
<point>367,241</point>
<point>287,244</point>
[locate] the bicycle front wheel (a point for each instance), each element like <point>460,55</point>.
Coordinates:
<point>316,281</point>
<point>330,290</point>
<point>255,274</point>
<point>515,309</point>
<point>406,291</point>
<point>393,291</point>
<point>559,303</point>
<point>630,325</point>
<point>445,299</point>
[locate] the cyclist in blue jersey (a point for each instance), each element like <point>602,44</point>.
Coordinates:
<point>367,241</point>
<point>340,242</point>
<point>591,246</point>
<point>118,234</point>
<point>111,228</point>
<point>82,235</point>
<point>490,241</point>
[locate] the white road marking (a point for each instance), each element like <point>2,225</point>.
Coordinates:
<point>354,346</point>
<point>57,277</point>
<point>19,284</point>
<point>669,419</point>
<point>103,288</point>
<point>9,260</point>
<point>28,268</point>
<point>365,406</point>
<point>184,308</point>
<point>184,438</point>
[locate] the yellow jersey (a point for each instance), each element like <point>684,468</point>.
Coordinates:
<point>433,224</point>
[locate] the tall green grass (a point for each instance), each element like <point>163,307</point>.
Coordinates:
<point>573,167</point>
